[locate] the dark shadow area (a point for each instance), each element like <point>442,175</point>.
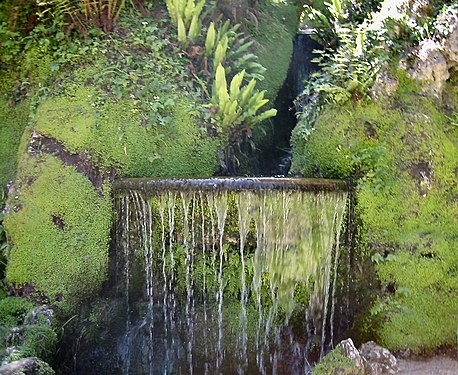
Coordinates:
<point>275,155</point>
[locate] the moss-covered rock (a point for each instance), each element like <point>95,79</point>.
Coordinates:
<point>13,120</point>
<point>335,363</point>
<point>405,153</point>
<point>64,222</point>
<point>274,31</point>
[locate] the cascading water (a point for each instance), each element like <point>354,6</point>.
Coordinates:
<point>226,275</point>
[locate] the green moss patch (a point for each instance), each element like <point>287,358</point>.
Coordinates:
<point>405,160</point>
<point>13,121</point>
<point>111,134</point>
<point>59,226</point>
<point>334,363</point>
<point>275,31</point>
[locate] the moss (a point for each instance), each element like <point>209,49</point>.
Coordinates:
<point>65,224</point>
<point>37,67</point>
<point>334,363</point>
<point>408,207</point>
<point>13,120</point>
<point>86,121</point>
<point>275,32</point>
<point>184,150</point>
<point>13,310</point>
<point>344,142</point>
<point>118,123</point>
<point>39,341</point>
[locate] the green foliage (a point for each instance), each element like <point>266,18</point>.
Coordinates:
<point>13,120</point>
<point>13,311</point>
<point>236,108</point>
<point>347,72</point>
<point>83,13</point>
<point>232,49</point>
<point>40,341</point>
<point>31,340</point>
<point>185,15</point>
<point>336,363</point>
<point>3,243</point>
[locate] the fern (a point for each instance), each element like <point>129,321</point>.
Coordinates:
<point>103,14</point>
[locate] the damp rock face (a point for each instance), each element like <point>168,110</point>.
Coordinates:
<point>431,68</point>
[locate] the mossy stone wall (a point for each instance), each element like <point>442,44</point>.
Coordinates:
<point>404,150</point>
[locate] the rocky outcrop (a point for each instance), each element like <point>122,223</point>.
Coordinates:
<point>447,28</point>
<point>348,349</point>
<point>430,67</point>
<point>435,57</point>
<point>370,359</point>
<point>27,366</point>
<point>378,360</point>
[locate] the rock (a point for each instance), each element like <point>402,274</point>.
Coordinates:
<point>378,360</point>
<point>348,349</point>
<point>430,67</point>
<point>9,351</point>
<point>41,315</point>
<point>385,85</point>
<point>343,360</point>
<point>15,336</point>
<point>27,366</point>
<point>447,26</point>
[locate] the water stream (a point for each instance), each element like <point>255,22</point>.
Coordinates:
<point>226,276</point>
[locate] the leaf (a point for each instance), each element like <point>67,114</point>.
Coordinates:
<point>194,28</point>
<point>198,8</point>
<point>246,92</point>
<point>221,85</point>
<point>265,115</point>
<point>171,8</point>
<point>220,53</point>
<point>210,39</point>
<point>236,84</point>
<point>181,32</point>
<point>188,11</point>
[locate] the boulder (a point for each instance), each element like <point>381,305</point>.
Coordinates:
<point>41,315</point>
<point>447,27</point>
<point>378,360</point>
<point>27,366</point>
<point>430,67</point>
<point>348,349</point>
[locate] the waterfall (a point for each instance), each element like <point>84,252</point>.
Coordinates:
<point>217,276</point>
